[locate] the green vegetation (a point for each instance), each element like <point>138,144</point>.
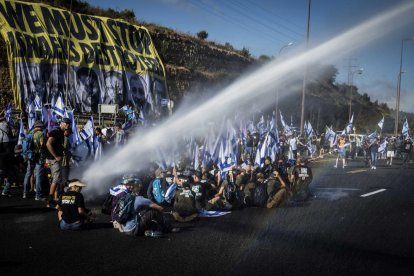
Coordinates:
<point>202,35</point>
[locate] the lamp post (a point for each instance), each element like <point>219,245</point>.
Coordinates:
<point>359,71</point>
<point>397,100</point>
<point>277,90</point>
<point>302,116</point>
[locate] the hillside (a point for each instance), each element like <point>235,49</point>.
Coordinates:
<point>194,65</point>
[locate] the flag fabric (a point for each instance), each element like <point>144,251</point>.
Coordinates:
<point>210,214</point>
<point>21,132</point>
<point>45,115</point>
<point>381,123</point>
<point>348,128</point>
<point>98,149</point>
<point>59,107</point>
<point>405,128</point>
<point>286,128</point>
<point>308,130</point>
<point>51,120</point>
<point>383,146</point>
<point>331,136</point>
<point>8,114</point>
<point>169,194</point>
<point>87,130</point>
<point>75,134</point>
<point>372,135</point>
<point>32,115</point>
<point>38,103</point>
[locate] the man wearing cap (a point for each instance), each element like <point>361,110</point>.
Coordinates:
<point>54,155</point>
<point>72,213</point>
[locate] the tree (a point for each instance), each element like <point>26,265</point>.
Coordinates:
<point>202,35</point>
<point>245,52</point>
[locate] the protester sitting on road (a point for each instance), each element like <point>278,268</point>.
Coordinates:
<point>158,187</point>
<point>72,213</point>
<point>184,207</point>
<point>300,177</point>
<point>144,214</point>
<point>276,190</point>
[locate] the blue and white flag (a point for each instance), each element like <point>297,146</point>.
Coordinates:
<point>381,123</point>
<point>59,107</point>
<point>8,114</point>
<point>210,214</point>
<point>405,128</point>
<point>38,103</point>
<point>331,136</point>
<point>45,115</point>
<point>372,135</point>
<point>286,128</point>
<point>261,126</point>
<point>169,194</point>
<point>308,130</point>
<point>21,132</point>
<point>382,147</point>
<point>31,115</point>
<point>87,131</point>
<point>348,128</point>
<point>75,134</point>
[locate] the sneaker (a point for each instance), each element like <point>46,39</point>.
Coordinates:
<point>24,195</point>
<point>40,198</point>
<point>51,204</point>
<point>153,234</point>
<point>175,230</point>
<point>6,194</point>
<point>335,166</point>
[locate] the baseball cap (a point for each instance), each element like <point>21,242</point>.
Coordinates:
<point>77,183</point>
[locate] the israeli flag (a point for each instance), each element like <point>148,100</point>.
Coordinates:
<point>286,128</point>
<point>88,130</point>
<point>32,115</point>
<point>8,114</point>
<point>45,115</point>
<point>381,123</point>
<point>76,140</point>
<point>169,194</point>
<point>59,107</point>
<point>308,129</point>
<point>372,135</point>
<point>405,128</point>
<point>38,103</point>
<point>348,128</point>
<point>382,146</point>
<point>21,132</point>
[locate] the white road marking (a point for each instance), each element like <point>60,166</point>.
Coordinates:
<point>345,189</point>
<point>373,193</point>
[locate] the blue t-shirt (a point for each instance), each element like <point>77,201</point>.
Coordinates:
<point>139,202</point>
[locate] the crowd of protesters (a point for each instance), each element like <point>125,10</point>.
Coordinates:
<point>41,164</point>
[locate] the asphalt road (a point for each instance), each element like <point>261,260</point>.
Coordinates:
<point>339,231</point>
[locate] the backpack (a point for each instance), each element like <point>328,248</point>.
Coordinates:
<point>157,191</point>
<point>260,195</point>
<point>234,196</point>
<point>124,207</point>
<point>39,145</point>
<point>107,204</point>
<point>230,192</point>
<point>28,147</point>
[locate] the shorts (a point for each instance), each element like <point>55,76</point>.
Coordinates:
<point>390,154</point>
<point>341,154</point>
<point>55,170</point>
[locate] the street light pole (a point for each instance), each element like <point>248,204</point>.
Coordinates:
<point>397,100</point>
<point>359,71</point>
<point>277,90</point>
<point>302,116</point>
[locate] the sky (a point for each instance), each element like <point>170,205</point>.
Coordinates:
<point>265,27</point>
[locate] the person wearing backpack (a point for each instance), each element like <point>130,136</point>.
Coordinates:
<point>260,192</point>
<point>157,188</point>
<point>32,155</point>
<point>276,190</point>
<point>300,178</point>
<point>138,215</point>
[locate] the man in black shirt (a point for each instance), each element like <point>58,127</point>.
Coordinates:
<point>72,213</point>
<point>54,155</point>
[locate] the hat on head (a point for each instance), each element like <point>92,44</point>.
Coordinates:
<point>38,124</point>
<point>77,184</point>
<point>66,120</point>
<point>260,176</point>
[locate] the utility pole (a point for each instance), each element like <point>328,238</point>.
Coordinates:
<point>302,116</point>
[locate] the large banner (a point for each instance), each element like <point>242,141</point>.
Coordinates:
<point>87,60</point>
